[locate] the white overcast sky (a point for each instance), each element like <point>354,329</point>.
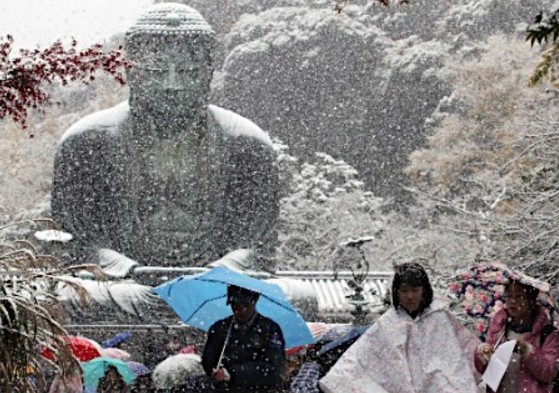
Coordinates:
<point>41,22</point>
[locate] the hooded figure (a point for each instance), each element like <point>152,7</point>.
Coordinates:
<point>417,346</point>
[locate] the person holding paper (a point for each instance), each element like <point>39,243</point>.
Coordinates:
<point>417,346</point>
<point>533,365</point>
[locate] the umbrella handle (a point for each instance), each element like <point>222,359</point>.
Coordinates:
<point>224,345</point>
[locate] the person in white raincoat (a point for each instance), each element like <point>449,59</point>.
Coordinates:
<point>417,346</point>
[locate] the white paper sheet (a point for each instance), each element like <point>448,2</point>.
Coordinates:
<point>498,364</point>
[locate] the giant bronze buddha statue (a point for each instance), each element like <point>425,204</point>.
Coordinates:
<point>166,178</point>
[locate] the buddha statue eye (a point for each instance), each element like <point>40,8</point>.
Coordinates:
<point>161,70</point>
<point>191,71</point>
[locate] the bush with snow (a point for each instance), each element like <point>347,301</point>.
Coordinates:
<point>327,205</point>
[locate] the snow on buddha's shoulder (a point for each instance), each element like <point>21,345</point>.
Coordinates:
<point>237,125</point>
<point>106,120</point>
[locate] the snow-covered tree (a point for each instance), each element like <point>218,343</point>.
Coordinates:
<point>491,159</point>
<point>476,126</point>
<point>340,4</point>
<point>325,206</point>
<point>545,31</point>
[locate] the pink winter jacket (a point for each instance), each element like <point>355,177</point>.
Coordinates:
<point>539,367</point>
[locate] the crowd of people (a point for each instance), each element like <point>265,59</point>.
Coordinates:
<point>243,353</point>
<point>416,346</point>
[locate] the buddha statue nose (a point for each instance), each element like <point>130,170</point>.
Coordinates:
<point>171,82</point>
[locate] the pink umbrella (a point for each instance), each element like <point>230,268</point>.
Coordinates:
<point>115,353</point>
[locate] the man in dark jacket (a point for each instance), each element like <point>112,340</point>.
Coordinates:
<point>253,348</point>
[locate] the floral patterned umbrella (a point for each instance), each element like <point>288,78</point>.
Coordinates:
<point>481,290</point>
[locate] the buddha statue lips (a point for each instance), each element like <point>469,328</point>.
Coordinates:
<point>166,178</point>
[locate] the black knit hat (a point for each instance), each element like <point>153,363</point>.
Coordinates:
<point>239,294</point>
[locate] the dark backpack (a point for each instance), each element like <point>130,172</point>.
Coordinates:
<point>546,331</point>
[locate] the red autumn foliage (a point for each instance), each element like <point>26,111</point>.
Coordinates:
<point>23,77</point>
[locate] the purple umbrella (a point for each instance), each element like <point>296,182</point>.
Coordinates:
<point>138,368</point>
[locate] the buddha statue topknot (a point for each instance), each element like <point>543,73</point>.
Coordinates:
<point>166,178</point>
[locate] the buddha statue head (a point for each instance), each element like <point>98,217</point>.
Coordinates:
<point>171,48</point>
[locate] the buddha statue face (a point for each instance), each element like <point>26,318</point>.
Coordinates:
<point>170,77</point>
<point>171,49</point>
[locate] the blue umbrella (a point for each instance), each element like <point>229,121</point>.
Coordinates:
<point>345,341</point>
<point>330,352</point>
<point>95,369</point>
<point>200,300</point>
<point>117,339</point>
